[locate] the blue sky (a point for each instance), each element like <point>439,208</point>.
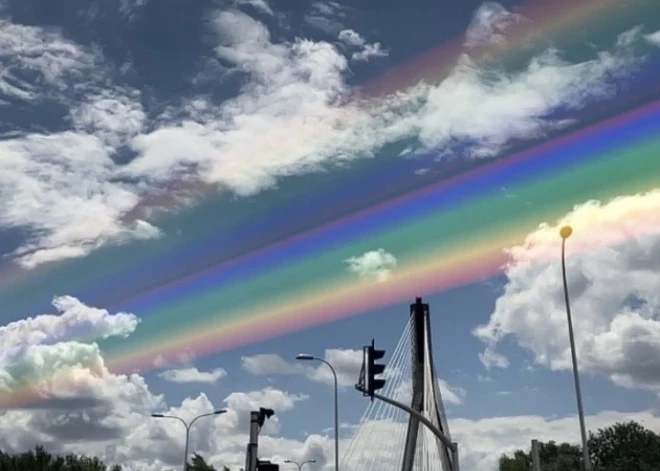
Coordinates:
<point>144,140</point>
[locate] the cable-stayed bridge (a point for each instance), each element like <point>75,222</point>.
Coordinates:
<point>389,438</point>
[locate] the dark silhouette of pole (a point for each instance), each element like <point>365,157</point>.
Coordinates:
<point>187,426</point>
<point>565,233</point>
<point>300,465</point>
<point>305,356</point>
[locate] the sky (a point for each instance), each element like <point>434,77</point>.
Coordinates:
<point>192,193</point>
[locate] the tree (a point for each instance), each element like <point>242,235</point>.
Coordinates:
<point>519,462</point>
<point>621,447</point>
<point>199,464</point>
<point>625,447</point>
<point>40,460</point>
<point>554,457</point>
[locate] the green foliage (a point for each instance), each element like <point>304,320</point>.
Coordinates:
<point>518,462</point>
<point>625,447</point>
<point>620,447</point>
<point>198,464</point>
<point>40,460</point>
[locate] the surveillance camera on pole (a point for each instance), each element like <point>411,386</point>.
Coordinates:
<point>257,420</point>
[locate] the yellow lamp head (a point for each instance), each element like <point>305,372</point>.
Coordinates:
<point>565,232</point>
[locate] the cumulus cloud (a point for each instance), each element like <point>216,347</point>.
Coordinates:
<point>87,409</point>
<point>56,381</point>
<point>373,265</point>
<point>193,375</point>
<point>351,37</point>
<point>613,278</point>
<point>367,51</point>
<point>347,364</point>
<point>58,392</point>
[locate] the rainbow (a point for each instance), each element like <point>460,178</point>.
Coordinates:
<point>556,22</point>
<point>455,258</point>
<point>445,234</point>
<point>469,243</point>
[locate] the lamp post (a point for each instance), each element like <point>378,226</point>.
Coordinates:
<point>308,357</point>
<point>188,426</point>
<point>300,465</point>
<point>565,232</point>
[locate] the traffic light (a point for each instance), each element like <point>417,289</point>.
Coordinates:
<point>372,369</point>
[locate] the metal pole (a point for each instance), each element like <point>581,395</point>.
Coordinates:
<point>452,446</point>
<point>536,459</point>
<point>334,374</point>
<point>252,448</point>
<point>576,376</point>
<point>185,453</point>
<point>187,426</point>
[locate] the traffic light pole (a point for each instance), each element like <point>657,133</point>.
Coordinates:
<point>452,446</point>
<point>253,445</point>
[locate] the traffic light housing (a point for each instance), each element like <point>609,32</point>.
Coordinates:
<point>372,369</point>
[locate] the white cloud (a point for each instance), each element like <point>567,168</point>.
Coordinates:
<point>347,364</point>
<point>260,5</point>
<point>70,195</point>
<point>367,51</point>
<point>52,62</point>
<point>61,187</point>
<point>351,37</point>
<point>113,117</point>
<point>328,16</point>
<point>511,106</point>
<point>374,265</point>
<point>74,320</point>
<point>489,23</point>
<point>654,38</point>
<point>270,363</point>
<point>613,277</point>
<point>481,442</point>
<point>370,51</point>
<point>63,396</point>
<point>193,375</point>
<point>452,395</point>
<point>87,409</point>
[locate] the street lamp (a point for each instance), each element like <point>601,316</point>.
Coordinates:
<point>308,357</point>
<point>565,232</point>
<point>187,425</point>
<point>300,465</point>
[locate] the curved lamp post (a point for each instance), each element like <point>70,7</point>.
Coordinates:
<point>308,357</point>
<point>300,465</point>
<point>187,425</point>
<point>565,232</point>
